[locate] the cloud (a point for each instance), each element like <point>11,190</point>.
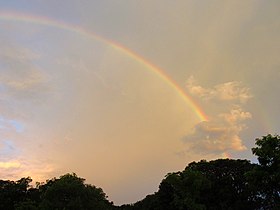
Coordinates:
<point>221,133</point>
<point>236,115</point>
<point>7,148</point>
<point>19,167</point>
<point>9,165</point>
<point>30,80</point>
<point>21,54</point>
<point>22,78</point>
<point>18,70</point>
<point>22,82</point>
<point>229,91</point>
<point>10,125</point>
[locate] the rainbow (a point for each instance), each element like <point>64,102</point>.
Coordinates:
<point>16,16</point>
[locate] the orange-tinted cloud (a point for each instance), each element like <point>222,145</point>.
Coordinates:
<point>9,165</point>
<point>219,135</point>
<point>227,121</point>
<point>229,91</point>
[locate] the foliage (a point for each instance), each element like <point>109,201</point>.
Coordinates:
<point>265,178</point>
<point>13,192</point>
<point>67,193</point>
<point>268,151</point>
<point>222,184</point>
<point>219,184</point>
<point>70,192</point>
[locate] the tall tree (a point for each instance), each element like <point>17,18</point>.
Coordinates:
<point>70,193</point>
<point>265,177</point>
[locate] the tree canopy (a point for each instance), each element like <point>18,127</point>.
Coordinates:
<point>222,184</point>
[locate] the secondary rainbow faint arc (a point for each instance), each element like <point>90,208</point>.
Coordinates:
<point>41,20</point>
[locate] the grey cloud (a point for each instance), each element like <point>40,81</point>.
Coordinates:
<point>20,77</point>
<point>20,54</point>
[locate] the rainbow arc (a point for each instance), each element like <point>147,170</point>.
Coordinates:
<point>46,21</point>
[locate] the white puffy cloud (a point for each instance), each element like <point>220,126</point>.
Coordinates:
<point>221,133</point>
<point>229,91</point>
<point>235,115</point>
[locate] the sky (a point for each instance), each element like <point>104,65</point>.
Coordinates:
<point>124,92</point>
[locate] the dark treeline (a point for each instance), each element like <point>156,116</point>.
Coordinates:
<point>215,185</point>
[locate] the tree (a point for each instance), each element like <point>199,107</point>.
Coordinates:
<point>265,177</point>
<point>13,192</point>
<point>268,151</point>
<point>70,193</point>
<point>216,185</point>
<point>224,184</point>
<point>26,205</point>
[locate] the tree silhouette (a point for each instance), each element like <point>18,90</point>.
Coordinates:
<point>265,177</point>
<point>222,184</point>
<point>69,192</point>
